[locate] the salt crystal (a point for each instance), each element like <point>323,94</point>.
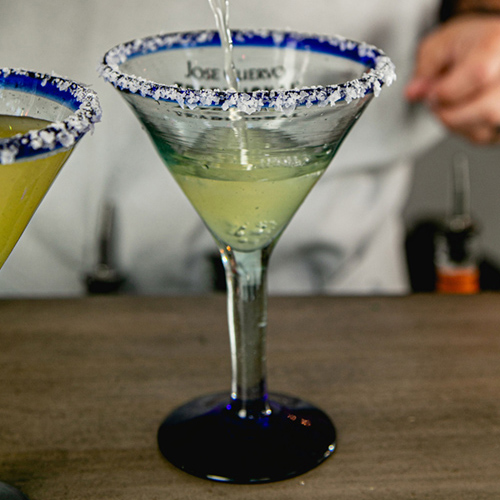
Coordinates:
<point>58,134</point>
<point>382,72</point>
<point>8,155</point>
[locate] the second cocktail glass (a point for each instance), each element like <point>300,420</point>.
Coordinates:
<point>42,119</point>
<point>246,160</point>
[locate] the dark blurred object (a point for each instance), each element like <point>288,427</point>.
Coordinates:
<point>457,242</point>
<point>105,278</point>
<point>8,492</point>
<point>218,273</point>
<point>456,259</point>
<point>451,8</point>
<point>420,247</point>
<point>447,9</point>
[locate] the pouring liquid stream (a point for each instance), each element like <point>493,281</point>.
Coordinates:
<point>220,9</point>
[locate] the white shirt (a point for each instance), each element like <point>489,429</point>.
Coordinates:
<point>347,236</point>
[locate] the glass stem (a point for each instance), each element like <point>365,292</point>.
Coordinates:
<point>247,316</point>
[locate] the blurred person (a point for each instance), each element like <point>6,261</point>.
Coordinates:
<point>347,236</point>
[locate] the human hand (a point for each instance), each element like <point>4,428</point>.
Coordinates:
<point>457,74</point>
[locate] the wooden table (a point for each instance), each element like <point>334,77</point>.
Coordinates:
<point>412,384</point>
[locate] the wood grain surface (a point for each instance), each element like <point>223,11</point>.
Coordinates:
<point>412,384</point>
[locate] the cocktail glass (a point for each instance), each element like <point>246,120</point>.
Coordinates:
<point>246,160</point>
<point>42,118</point>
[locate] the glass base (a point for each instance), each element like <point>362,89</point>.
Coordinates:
<point>8,492</point>
<point>212,438</point>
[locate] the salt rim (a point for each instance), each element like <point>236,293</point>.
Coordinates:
<point>58,135</point>
<point>381,71</point>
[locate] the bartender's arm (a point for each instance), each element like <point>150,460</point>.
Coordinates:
<point>457,70</point>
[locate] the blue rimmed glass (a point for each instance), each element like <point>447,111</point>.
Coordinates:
<point>30,160</point>
<point>50,115</point>
<point>246,159</point>
<point>69,108</point>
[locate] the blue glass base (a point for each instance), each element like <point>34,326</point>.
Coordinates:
<point>8,492</point>
<point>211,438</point>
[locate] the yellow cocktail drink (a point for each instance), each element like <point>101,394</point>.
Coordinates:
<point>23,184</point>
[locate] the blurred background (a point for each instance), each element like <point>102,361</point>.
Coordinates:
<point>430,202</point>
<point>50,36</point>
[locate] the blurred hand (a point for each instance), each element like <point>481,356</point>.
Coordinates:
<point>457,74</point>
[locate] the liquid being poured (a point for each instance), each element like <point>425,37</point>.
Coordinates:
<point>220,8</point>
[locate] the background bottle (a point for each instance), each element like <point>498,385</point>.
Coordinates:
<point>457,243</point>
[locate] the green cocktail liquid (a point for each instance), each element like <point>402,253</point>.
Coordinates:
<point>246,197</point>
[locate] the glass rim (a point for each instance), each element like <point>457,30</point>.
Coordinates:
<point>380,70</point>
<point>57,135</point>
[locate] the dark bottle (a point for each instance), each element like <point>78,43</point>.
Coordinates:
<point>457,269</point>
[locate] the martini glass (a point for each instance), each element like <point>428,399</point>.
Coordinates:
<point>246,160</point>
<point>42,118</point>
